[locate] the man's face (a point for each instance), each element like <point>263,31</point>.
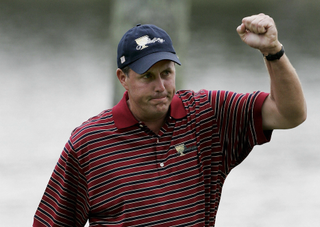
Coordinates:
<point>150,94</point>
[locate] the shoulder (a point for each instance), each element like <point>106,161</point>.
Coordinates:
<point>221,97</point>
<point>218,100</point>
<point>189,96</point>
<point>195,103</point>
<point>93,126</point>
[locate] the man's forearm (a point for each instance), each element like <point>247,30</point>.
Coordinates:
<point>286,94</point>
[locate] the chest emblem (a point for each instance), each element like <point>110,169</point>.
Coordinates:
<point>180,149</point>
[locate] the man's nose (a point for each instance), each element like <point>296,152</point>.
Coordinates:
<point>159,84</point>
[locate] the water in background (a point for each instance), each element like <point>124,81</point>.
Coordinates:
<point>55,73</point>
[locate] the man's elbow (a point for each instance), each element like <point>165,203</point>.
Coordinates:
<point>298,118</point>
<point>303,117</point>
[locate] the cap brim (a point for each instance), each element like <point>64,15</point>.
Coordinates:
<point>141,65</point>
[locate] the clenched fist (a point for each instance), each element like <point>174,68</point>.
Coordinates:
<point>260,32</point>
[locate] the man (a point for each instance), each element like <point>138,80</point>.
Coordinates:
<point>160,158</point>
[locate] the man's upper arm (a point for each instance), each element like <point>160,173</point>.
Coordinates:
<point>271,117</point>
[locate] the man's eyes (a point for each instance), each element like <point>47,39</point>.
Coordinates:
<point>150,75</point>
<point>166,72</point>
<point>147,76</point>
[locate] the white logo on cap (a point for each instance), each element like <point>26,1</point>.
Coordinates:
<point>144,40</point>
<point>122,59</point>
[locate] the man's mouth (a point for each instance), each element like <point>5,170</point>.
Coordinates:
<point>162,98</point>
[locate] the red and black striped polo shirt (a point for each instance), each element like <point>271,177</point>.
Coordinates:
<point>114,171</point>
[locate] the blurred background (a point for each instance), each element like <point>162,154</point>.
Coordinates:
<point>57,69</point>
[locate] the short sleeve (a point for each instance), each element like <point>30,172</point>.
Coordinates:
<point>239,123</point>
<point>65,201</point>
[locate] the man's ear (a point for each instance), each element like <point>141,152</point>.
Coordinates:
<point>122,78</point>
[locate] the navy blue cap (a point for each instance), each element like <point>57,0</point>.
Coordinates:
<point>143,46</point>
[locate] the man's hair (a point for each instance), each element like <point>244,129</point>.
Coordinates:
<point>126,70</point>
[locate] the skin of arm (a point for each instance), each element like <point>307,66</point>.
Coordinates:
<point>285,107</point>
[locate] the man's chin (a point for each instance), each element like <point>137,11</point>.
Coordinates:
<point>161,108</point>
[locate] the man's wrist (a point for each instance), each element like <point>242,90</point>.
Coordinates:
<point>275,56</point>
<point>273,49</point>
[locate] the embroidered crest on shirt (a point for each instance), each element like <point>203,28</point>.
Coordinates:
<point>180,149</point>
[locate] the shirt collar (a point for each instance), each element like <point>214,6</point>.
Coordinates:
<point>123,117</point>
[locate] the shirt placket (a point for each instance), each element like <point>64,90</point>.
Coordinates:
<point>155,141</point>
<point>158,147</point>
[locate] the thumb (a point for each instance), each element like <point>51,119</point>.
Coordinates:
<point>241,29</point>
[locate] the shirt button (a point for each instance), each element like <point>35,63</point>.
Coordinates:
<point>161,164</point>
<point>157,140</point>
<point>141,126</point>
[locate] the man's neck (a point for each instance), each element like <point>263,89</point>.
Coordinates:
<point>155,126</point>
